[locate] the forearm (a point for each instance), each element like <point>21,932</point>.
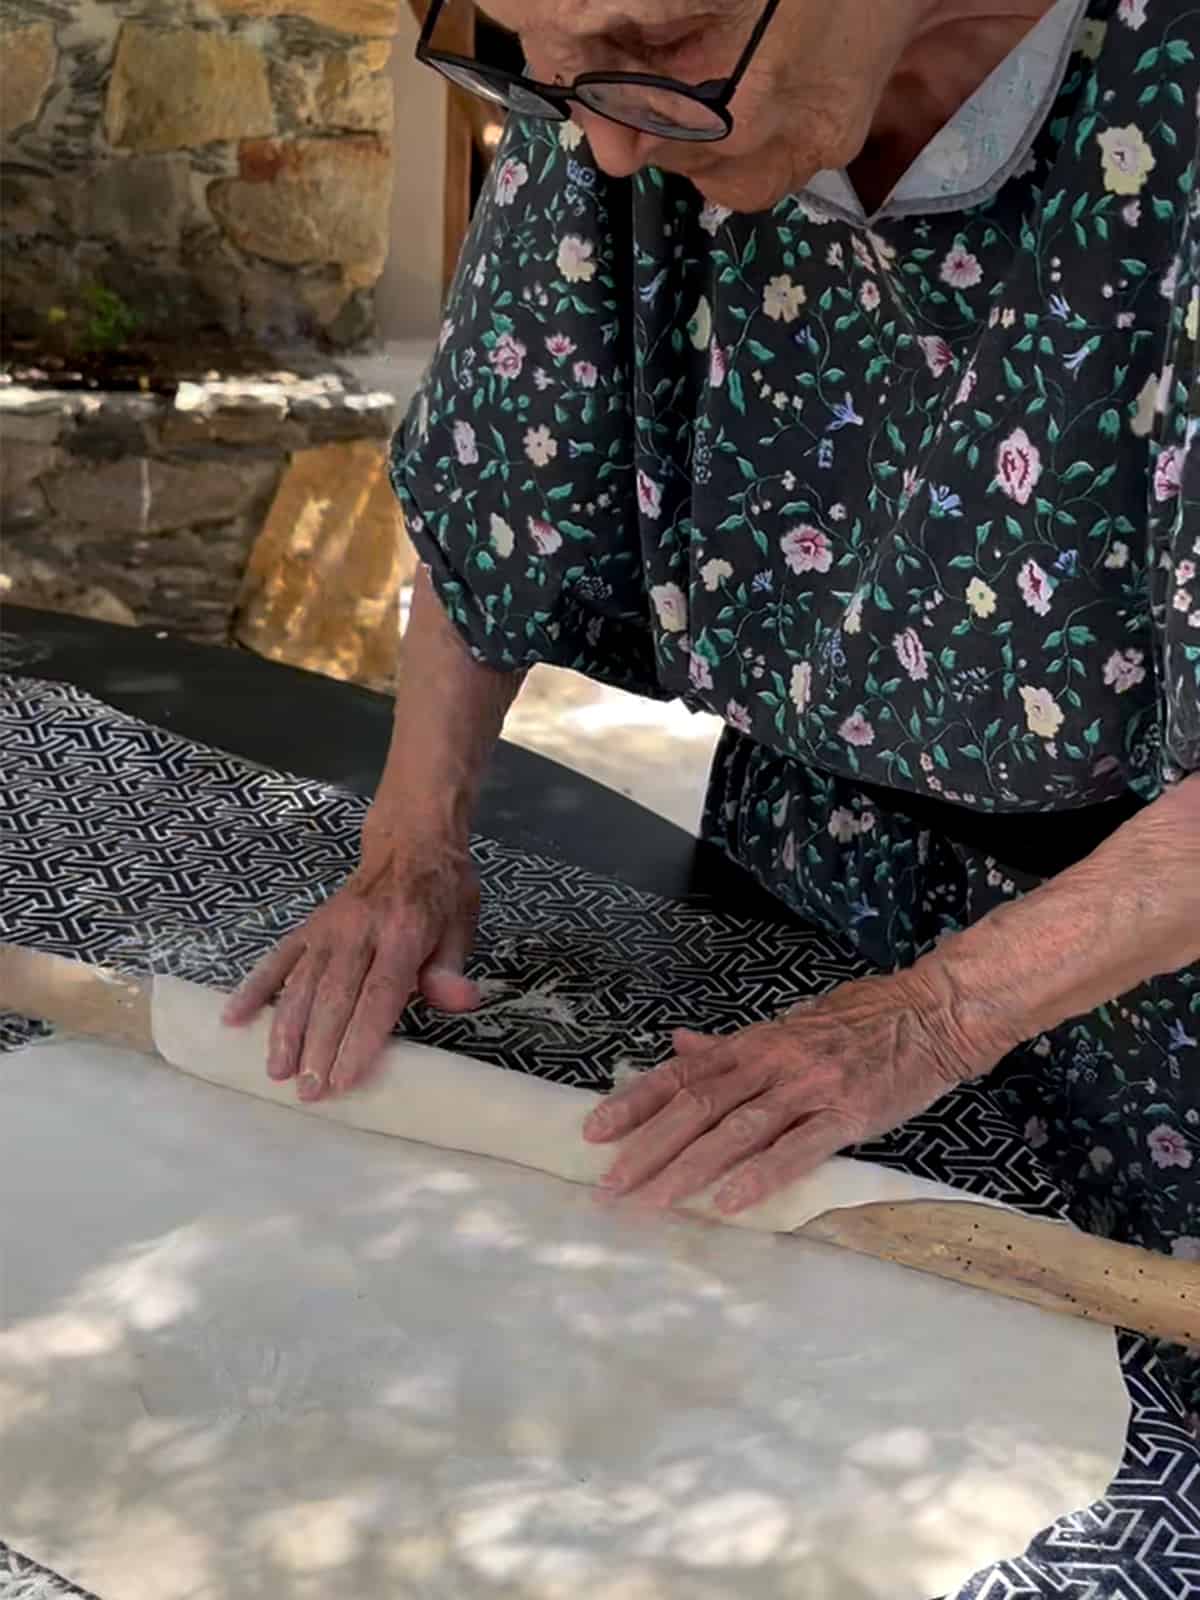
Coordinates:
<point>448,716</point>
<point>1129,913</point>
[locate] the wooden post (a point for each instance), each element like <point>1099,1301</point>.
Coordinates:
<point>463,128</point>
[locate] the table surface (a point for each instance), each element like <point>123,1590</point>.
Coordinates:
<point>317,727</point>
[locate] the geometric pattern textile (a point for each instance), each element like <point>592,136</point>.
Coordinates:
<point>128,846</point>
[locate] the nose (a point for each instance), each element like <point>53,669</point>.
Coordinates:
<point>619,151</point>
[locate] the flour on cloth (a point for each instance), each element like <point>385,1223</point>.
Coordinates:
<point>247,1353</point>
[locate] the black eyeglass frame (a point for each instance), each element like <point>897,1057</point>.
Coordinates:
<point>714,95</point>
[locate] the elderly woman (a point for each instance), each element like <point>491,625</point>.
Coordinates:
<point>828,365</point>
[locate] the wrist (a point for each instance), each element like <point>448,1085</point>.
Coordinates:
<point>414,823</point>
<point>973,1024</point>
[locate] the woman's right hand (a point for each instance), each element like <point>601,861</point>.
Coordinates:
<point>402,924</point>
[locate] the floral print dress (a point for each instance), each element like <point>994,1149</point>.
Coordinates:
<point>913,505</point>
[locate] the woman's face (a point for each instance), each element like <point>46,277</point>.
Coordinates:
<point>805,104</point>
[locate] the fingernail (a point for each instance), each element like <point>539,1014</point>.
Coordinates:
<point>309,1085</point>
<point>732,1197</point>
<point>600,1121</point>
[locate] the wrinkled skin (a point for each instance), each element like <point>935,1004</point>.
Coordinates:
<point>402,925</point>
<point>766,1105</point>
<point>834,84</point>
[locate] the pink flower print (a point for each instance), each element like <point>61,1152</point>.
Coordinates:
<point>738,717</point>
<point>938,355</point>
<point>717,365</point>
<point>1168,474</point>
<point>1132,13</point>
<point>507,356</point>
<point>911,486</point>
<point>967,387</point>
<point>649,496</point>
<point>862,254</point>
<point>856,730</point>
<point>670,603</point>
<point>1124,670</point>
<point>1036,1133</point>
<point>513,175</point>
<point>1018,466</point>
<point>465,447</point>
<point>960,269</point>
<point>559,346</point>
<point>788,854</point>
<point>1168,1147</point>
<point>545,536</point>
<point>1036,588</point>
<point>1185,572</point>
<point>910,652</point>
<point>806,549</point>
<point>699,672</point>
<point>842,825</point>
<point>869,296</point>
<point>585,374</point>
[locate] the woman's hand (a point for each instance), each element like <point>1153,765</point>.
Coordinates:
<point>402,924</point>
<point>766,1105</point>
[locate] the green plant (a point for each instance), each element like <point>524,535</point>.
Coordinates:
<point>110,322</point>
<point>98,322</point>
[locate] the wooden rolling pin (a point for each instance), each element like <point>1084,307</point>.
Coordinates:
<point>1024,1258</point>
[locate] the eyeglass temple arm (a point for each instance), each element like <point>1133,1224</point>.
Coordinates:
<point>432,12</point>
<point>747,55</point>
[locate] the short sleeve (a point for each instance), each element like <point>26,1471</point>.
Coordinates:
<point>514,467</point>
<point>1175,514</point>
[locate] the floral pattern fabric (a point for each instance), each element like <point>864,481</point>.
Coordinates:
<point>913,506</point>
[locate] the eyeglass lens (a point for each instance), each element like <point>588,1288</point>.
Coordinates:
<point>639,106</point>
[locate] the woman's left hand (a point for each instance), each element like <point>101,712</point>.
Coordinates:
<point>768,1104</point>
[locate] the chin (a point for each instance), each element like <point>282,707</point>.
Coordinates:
<point>741,195</point>
<point>746,187</point>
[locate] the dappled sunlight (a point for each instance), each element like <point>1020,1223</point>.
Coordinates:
<point>259,1354</point>
<point>656,753</point>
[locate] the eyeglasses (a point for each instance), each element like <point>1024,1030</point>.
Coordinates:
<point>663,107</point>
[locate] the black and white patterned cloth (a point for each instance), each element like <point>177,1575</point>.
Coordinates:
<point>126,845</point>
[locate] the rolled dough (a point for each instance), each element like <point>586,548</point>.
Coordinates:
<point>247,1355</point>
<point>448,1100</point>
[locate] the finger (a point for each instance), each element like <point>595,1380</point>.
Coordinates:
<point>789,1159</point>
<point>648,1093</point>
<point>687,1040</point>
<point>386,990</point>
<point>333,1005</point>
<point>290,1020</point>
<point>263,982</point>
<point>677,1128</point>
<point>745,1130</point>
<point>441,980</point>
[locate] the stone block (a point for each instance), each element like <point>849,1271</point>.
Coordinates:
<point>23,466</point>
<point>232,412</point>
<point>355,89</point>
<point>139,201</point>
<point>34,416</point>
<point>330,411</point>
<point>138,495</point>
<point>321,590</point>
<point>311,201</point>
<point>174,88</point>
<point>31,203</point>
<point>113,424</point>
<point>370,18</point>
<point>28,58</point>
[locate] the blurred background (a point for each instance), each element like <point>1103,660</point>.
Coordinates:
<point>226,228</point>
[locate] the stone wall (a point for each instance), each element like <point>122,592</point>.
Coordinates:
<point>221,166</point>
<point>148,508</point>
